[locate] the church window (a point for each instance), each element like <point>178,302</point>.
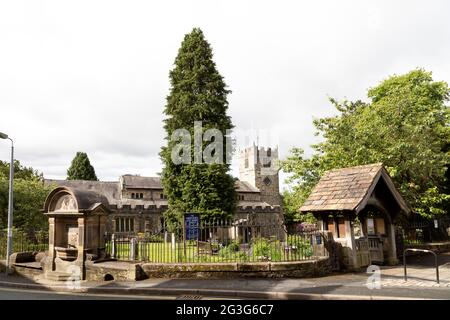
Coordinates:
<point>132,195</point>
<point>124,224</point>
<point>267,181</point>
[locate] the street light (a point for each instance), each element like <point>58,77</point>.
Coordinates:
<point>10,202</point>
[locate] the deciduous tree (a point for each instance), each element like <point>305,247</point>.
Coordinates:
<point>405,125</point>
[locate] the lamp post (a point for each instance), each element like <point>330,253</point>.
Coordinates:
<point>10,202</point>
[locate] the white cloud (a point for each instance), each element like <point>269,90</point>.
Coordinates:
<point>93,75</point>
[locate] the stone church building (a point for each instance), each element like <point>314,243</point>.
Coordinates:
<point>136,204</point>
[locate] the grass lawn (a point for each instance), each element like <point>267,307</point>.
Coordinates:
<point>161,252</point>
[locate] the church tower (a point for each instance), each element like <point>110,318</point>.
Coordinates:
<point>257,166</point>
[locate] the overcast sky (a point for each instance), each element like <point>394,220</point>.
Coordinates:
<point>93,75</point>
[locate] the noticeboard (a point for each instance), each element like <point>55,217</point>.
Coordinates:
<point>191,225</point>
<point>318,239</point>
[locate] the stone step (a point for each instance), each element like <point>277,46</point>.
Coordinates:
<point>58,276</point>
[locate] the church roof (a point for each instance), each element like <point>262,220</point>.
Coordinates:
<point>349,189</point>
<point>111,188</point>
<point>138,182</point>
<point>244,186</point>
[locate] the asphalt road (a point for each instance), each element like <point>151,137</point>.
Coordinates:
<point>25,294</point>
<point>21,294</point>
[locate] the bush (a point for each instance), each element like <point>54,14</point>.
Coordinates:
<point>153,237</point>
<point>229,250</point>
<point>266,249</point>
<point>302,245</point>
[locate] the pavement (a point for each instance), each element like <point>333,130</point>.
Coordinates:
<point>383,283</point>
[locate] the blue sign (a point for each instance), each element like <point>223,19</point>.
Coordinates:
<point>191,225</point>
<point>318,239</point>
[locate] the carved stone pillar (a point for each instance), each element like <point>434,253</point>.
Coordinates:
<point>50,262</point>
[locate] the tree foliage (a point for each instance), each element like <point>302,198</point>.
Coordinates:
<point>81,168</point>
<point>29,196</point>
<point>404,126</point>
<point>198,93</point>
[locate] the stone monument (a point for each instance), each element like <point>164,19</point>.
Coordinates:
<point>77,225</point>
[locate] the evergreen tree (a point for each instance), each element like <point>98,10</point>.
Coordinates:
<point>81,168</point>
<point>198,93</point>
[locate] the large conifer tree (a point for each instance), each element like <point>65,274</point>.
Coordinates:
<point>198,93</point>
<point>81,168</point>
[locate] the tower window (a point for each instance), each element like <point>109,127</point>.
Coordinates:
<point>269,152</point>
<point>132,196</point>
<point>267,165</point>
<point>267,181</point>
<point>246,162</point>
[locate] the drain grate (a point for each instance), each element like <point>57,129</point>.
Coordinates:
<point>189,297</point>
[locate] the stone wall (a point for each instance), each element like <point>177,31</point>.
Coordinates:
<point>120,271</point>
<point>297,269</point>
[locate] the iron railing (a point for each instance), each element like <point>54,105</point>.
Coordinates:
<point>219,241</point>
<point>24,241</point>
<point>421,230</point>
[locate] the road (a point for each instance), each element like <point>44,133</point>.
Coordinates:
<point>22,294</point>
<point>25,294</point>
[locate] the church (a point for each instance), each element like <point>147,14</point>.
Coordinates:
<point>136,204</point>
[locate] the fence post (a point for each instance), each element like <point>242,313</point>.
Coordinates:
<point>113,246</point>
<point>173,241</point>
<point>133,249</point>
<point>142,250</point>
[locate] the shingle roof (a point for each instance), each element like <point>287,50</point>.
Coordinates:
<point>348,188</point>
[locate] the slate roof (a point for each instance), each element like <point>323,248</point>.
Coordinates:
<point>109,189</point>
<point>138,182</point>
<point>244,186</point>
<point>349,189</point>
